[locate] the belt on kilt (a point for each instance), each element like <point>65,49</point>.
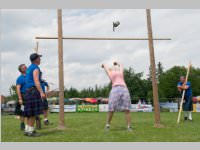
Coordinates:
<point>32,88</point>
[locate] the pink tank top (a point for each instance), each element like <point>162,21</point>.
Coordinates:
<point>117,78</point>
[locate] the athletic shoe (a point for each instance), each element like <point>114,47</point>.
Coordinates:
<point>130,129</point>
<point>185,118</point>
<point>26,133</point>
<point>32,134</point>
<point>107,127</point>
<point>190,119</point>
<point>46,122</point>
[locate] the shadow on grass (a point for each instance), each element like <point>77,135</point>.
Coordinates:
<point>118,129</point>
<point>51,131</point>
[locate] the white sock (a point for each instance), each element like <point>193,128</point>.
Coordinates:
<point>129,126</point>
<point>26,128</point>
<point>190,115</point>
<point>107,125</point>
<point>30,129</point>
<point>45,119</point>
<point>186,113</point>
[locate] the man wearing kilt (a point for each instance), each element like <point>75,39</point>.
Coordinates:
<point>119,98</point>
<point>187,103</point>
<point>34,94</point>
<point>21,88</point>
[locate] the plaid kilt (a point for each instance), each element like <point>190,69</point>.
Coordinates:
<point>34,104</point>
<point>18,110</point>
<point>188,105</point>
<point>119,99</point>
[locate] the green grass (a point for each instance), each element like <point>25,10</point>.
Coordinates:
<point>83,127</point>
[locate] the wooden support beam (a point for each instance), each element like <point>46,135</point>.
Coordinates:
<point>99,38</point>
<point>37,47</point>
<point>153,71</point>
<point>60,70</point>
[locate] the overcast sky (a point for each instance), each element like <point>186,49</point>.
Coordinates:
<point>82,59</point>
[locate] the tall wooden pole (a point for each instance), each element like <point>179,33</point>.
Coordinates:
<point>60,69</point>
<point>183,94</point>
<point>37,47</point>
<point>153,67</point>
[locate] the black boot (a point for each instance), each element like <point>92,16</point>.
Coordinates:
<point>185,118</point>
<point>22,126</point>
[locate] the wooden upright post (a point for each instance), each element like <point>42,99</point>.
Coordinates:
<point>153,67</point>
<point>37,47</point>
<point>60,68</point>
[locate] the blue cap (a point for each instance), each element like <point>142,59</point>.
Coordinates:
<point>34,56</point>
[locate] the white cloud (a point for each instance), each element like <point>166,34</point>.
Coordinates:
<point>82,59</point>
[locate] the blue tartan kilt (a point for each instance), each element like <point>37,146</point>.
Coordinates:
<point>34,105</point>
<point>188,105</point>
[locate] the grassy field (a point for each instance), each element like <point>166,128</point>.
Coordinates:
<point>90,127</point>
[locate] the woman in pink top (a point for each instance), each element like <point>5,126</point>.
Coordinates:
<point>119,98</point>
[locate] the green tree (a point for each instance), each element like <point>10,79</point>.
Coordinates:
<point>169,80</point>
<point>159,71</point>
<point>137,86</point>
<point>13,92</point>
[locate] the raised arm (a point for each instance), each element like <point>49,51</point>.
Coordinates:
<point>108,72</point>
<point>121,67</point>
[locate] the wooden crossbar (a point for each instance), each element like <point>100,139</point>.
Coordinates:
<point>99,38</point>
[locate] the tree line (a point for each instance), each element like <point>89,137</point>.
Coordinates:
<point>139,87</point>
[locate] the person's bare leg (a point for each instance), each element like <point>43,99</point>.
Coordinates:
<point>46,121</point>
<point>28,121</point>
<point>21,119</point>
<point>109,119</point>
<point>128,118</point>
<point>31,131</point>
<point>28,125</point>
<point>32,121</point>
<point>45,113</point>
<point>31,124</point>
<point>38,122</point>
<point>110,115</point>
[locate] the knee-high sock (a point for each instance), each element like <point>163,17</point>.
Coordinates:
<point>26,128</point>
<point>190,115</point>
<point>186,113</point>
